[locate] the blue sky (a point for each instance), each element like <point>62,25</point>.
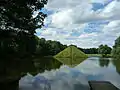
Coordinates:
<point>85,23</point>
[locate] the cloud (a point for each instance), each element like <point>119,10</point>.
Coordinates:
<point>63,4</point>
<point>62,19</point>
<point>76,22</point>
<point>113,28</point>
<point>83,13</point>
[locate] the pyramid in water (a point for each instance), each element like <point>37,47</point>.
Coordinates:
<point>71,55</point>
<point>71,52</point>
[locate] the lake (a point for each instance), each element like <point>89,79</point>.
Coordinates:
<point>57,76</point>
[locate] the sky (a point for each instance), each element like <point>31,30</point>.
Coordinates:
<point>85,23</point>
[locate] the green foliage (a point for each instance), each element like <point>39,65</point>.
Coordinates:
<point>18,15</point>
<point>116,49</point>
<point>17,26</point>
<point>116,54</point>
<point>104,50</point>
<point>17,29</point>
<point>117,42</point>
<point>48,47</point>
<point>89,50</point>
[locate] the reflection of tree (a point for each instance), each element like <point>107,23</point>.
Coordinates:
<point>80,87</point>
<point>72,62</point>
<point>46,63</point>
<point>116,63</point>
<point>103,62</point>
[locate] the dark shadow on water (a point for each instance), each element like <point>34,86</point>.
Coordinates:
<point>45,63</point>
<point>80,87</point>
<point>104,62</point>
<point>116,63</point>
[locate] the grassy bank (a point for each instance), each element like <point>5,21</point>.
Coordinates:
<point>98,55</point>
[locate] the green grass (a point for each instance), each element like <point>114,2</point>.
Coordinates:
<point>98,55</point>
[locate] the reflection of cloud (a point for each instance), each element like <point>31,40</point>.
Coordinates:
<point>94,72</point>
<point>64,78</point>
<point>75,78</point>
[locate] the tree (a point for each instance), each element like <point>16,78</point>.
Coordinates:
<point>116,54</point>
<point>48,47</point>
<point>117,42</point>
<point>104,50</point>
<point>89,50</point>
<point>17,29</point>
<point>17,24</point>
<point>18,15</point>
<point>116,48</point>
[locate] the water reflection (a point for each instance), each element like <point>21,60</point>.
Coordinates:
<point>67,78</point>
<point>71,56</point>
<point>104,62</point>
<point>14,69</point>
<point>64,78</point>
<point>116,63</point>
<point>71,62</point>
<point>45,63</point>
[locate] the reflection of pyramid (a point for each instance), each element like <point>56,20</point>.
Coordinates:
<point>71,56</point>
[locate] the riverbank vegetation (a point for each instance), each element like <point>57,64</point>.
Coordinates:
<point>116,48</point>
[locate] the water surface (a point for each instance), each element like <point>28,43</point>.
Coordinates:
<point>63,77</point>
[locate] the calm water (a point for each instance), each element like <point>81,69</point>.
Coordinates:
<point>75,77</point>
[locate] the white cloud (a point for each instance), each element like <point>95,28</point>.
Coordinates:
<point>63,4</point>
<point>83,13</point>
<point>80,13</point>
<point>62,19</point>
<point>113,28</point>
<point>111,11</point>
<point>70,19</point>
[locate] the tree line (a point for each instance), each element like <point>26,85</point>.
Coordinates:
<point>50,48</point>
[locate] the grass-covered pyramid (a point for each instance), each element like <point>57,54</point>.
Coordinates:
<point>71,56</point>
